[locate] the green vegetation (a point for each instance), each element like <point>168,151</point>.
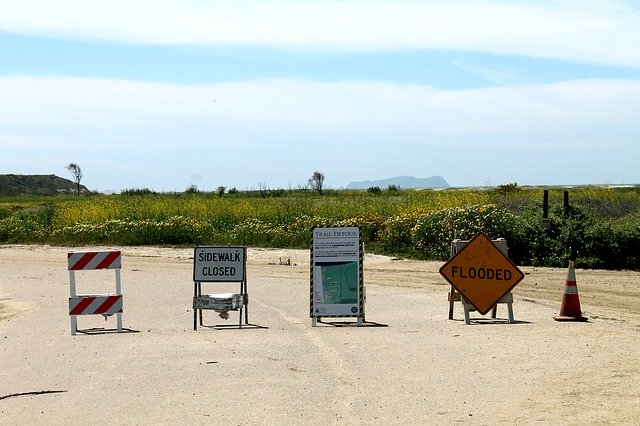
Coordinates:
<point>40,185</point>
<point>599,229</point>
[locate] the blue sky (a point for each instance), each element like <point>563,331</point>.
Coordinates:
<point>166,94</point>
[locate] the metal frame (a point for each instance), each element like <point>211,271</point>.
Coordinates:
<point>508,299</point>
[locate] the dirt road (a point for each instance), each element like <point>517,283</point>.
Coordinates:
<point>409,365</point>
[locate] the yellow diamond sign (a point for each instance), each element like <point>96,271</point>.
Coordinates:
<point>481,273</point>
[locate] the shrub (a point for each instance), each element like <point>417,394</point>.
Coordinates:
<point>29,225</point>
<point>507,188</point>
<point>192,189</point>
<point>433,232</point>
<point>611,245</point>
<point>370,226</point>
<point>136,191</point>
<point>395,234</point>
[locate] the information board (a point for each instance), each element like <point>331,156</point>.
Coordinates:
<point>336,273</point>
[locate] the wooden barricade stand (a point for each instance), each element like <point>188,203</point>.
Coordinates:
<point>101,304</point>
<point>224,264</point>
<point>454,296</point>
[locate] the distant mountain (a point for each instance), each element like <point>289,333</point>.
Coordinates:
<point>403,182</point>
<point>38,185</point>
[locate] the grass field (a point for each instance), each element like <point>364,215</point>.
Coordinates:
<point>598,228</point>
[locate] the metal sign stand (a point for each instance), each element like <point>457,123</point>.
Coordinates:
<point>508,299</point>
<point>221,303</point>
<point>223,264</point>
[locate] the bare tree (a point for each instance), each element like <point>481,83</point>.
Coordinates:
<point>316,182</point>
<point>77,174</point>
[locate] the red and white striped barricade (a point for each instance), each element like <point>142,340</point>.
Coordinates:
<point>87,304</point>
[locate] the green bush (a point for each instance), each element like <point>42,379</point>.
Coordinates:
<point>176,230</point>
<point>27,225</point>
<point>433,232</point>
<point>396,233</point>
<point>612,245</point>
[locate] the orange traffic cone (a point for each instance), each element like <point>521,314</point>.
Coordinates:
<point>570,308</point>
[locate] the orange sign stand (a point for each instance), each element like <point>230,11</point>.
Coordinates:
<point>480,271</point>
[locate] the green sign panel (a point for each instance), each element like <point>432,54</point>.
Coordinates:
<point>340,283</point>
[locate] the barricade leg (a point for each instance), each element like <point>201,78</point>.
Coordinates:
<point>72,293</point>
<point>195,311</point>
<point>74,324</point>
<point>119,292</point>
<point>200,310</point>
<point>510,309</point>
<point>195,319</point>
<point>452,293</point>
<point>466,315</point>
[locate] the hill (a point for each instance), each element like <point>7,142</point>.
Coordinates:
<point>38,185</point>
<point>404,182</point>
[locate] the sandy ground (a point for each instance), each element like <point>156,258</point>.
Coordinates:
<point>410,364</point>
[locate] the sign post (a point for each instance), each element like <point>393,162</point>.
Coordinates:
<point>481,273</point>
<point>337,285</point>
<point>220,264</point>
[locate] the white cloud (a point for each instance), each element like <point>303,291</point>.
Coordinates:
<point>596,31</point>
<point>118,109</point>
<point>278,131</point>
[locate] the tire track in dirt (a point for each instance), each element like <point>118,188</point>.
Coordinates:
<point>342,399</point>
